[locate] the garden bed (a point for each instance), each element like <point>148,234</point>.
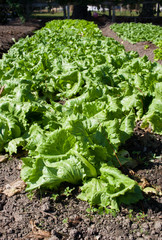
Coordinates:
<point>41,216</point>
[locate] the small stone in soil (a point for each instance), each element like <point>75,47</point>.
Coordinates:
<point>157,226</point>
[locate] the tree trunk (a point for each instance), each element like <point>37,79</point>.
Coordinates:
<point>113,16</point>
<point>80,12</point>
<point>158,9</point>
<point>110,11</point>
<point>27,11</point>
<point>68,11</point>
<point>147,10</point>
<point>64,10</point>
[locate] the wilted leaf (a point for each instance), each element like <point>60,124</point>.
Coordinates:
<point>159,190</point>
<point>3,158</point>
<point>1,90</point>
<point>37,233</point>
<point>150,190</point>
<point>144,183</point>
<point>14,187</point>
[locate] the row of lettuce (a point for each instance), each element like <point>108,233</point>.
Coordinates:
<point>71,97</point>
<point>139,32</point>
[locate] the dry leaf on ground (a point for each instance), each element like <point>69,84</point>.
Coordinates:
<point>14,187</point>
<point>37,233</point>
<point>3,158</point>
<point>144,183</point>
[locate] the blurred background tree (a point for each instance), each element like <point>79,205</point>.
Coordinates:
<point>24,8</point>
<point>21,8</point>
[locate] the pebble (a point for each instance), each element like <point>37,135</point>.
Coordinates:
<point>19,235</point>
<point>157,226</point>
<point>152,232</point>
<point>53,233</point>
<point>10,230</point>
<point>159,214</point>
<point>73,233</point>
<point>53,238</point>
<point>131,237</point>
<point>134,226</point>
<point>97,237</point>
<point>147,237</point>
<point>126,222</point>
<point>45,207</point>
<point>119,238</point>
<point>91,230</point>
<point>138,234</point>
<point>144,227</point>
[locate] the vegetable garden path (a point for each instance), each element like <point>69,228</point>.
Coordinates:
<point>43,216</point>
<point>139,47</point>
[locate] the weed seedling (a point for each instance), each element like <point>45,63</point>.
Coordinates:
<point>141,216</point>
<point>68,191</point>
<point>130,215</point>
<point>54,196</point>
<point>65,220</point>
<point>30,195</point>
<point>146,47</point>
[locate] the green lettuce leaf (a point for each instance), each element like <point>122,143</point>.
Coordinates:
<point>108,188</point>
<point>153,118</point>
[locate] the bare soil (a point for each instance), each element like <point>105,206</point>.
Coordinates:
<point>15,30</point>
<point>41,216</point>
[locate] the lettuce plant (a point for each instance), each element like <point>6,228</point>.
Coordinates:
<point>140,32</point>
<point>70,98</point>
